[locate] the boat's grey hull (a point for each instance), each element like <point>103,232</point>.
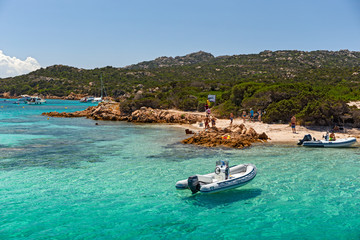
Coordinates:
<point>331,144</point>
<point>226,184</point>
<point>229,183</point>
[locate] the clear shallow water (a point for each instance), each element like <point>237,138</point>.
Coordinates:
<point>69,179</point>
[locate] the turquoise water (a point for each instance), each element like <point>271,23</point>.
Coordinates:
<point>71,179</point>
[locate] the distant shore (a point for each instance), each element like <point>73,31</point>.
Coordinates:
<point>277,133</point>
<point>69,97</point>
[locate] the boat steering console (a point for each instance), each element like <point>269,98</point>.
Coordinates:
<point>222,170</point>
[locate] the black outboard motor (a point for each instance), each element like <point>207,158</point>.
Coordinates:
<point>307,137</point>
<point>194,184</point>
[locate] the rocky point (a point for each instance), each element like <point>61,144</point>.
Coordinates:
<point>235,136</point>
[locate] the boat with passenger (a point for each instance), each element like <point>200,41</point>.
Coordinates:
<point>223,178</point>
<point>328,142</point>
<point>35,101</point>
<point>87,99</point>
<point>24,98</point>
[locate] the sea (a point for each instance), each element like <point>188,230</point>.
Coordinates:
<point>68,178</point>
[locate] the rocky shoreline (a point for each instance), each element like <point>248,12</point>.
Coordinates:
<point>235,136</point>
<point>112,112</point>
<point>71,96</point>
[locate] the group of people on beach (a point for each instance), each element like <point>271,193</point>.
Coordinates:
<point>252,117</point>
<point>208,118</point>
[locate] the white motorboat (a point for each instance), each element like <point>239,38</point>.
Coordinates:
<point>97,99</point>
<point>24,98</point>
<point>87,99</point>
<point>223,178</point>
<point>308,141</point>
<point>35,101</point>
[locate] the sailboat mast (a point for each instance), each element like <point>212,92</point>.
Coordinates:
<point>102,86</point>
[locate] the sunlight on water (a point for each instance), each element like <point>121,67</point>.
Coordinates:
<point>69,179</point>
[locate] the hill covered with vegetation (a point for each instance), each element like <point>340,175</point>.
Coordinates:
<point>313,85</point>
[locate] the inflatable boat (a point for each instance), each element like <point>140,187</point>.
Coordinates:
<point>223,178</point>
<point>308,141</point>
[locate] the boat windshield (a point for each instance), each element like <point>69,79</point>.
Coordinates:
<point>222,163</point>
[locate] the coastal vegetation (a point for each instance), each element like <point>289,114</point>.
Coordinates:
<point>315,86</point>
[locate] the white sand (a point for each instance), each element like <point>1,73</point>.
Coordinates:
<point>278,133</point>
<point>356,104</point>
<point>281,133</point>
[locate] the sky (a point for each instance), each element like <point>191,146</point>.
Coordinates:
<point>92,34</point>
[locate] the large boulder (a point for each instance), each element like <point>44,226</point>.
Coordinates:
<point>233,136</point>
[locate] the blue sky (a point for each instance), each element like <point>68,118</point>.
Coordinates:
<point>89,34</point>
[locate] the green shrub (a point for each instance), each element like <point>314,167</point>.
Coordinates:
<point>324,112</point>
<point>201,107</point>
<point>223,110</point>
<point>244,90</point>
<point>282,110</point>
<point>188,104</point>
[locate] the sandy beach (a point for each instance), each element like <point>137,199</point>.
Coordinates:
<point>281,133</point>
<point>278,133</point>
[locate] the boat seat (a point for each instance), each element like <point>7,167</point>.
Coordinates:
<point>205,179</point>
<point>238,169</point>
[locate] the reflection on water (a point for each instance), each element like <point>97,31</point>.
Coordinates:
<point>222,199</point>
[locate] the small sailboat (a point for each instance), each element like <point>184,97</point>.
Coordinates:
<point>99,99</point>
<point>222,179</point>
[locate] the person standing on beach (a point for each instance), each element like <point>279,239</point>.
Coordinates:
<point>243,116</point>
<point>293,123</point>
<point>213,121</point>
<point>231,118</point>
<point>259,115</point>
<point>207,120</point>
<point>252,114</point>
<point>208,112</point>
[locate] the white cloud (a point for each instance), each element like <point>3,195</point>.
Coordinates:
<point>12,66</point>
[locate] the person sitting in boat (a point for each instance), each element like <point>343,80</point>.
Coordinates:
<point>332,136</point>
